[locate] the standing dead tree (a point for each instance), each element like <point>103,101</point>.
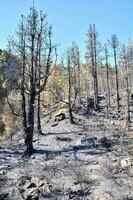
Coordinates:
<point>125,60</point>
<point>70,85</point>
<point>35,53</point>
<point>107,79</point>
<point>130,62</point>
<point>75,63</point>
<point>91,46</point>
<point>114,44</point>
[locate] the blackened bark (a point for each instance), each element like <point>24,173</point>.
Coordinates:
<point>107,82</point>
<point>128,92</point>
<point>23,105</point>
<point>30,118</point>
<point>78,78</point>
<point>117,82</point>
<point>39,129</point>
<point>95,66</point>
<point>75,62</point>
<point>30,128</point>
<point>71,115</point>
<point>70,91</point>
<point>28,141</point>
<point>34,35</point>
<point>94,72</point>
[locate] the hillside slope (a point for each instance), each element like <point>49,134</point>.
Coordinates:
<point>91,159</point>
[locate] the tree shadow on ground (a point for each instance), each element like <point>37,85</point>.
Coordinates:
<point>73,150</point>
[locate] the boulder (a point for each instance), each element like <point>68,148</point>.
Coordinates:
<point>126,162</point>
<point>4,196</point>
<point>62,114</point>
<point>30,188</point>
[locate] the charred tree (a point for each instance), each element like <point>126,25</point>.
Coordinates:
<point>36,54</point>
<point>91,55</point>
<point>70,106</point>
<point>95,65</point>
<point>107,80</point>
<point>125,58</point>
<point>114,44</point>
<point>75,64</point>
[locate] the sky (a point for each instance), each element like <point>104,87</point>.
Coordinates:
<point>71,18</point>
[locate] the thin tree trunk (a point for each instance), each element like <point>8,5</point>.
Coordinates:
<point>117,83</point>
<point>71,115</point>
<point>107,76</point>
<point>30,129</point>
<point>39,129</point>
<point>128,93</point>
<point>79,90</point>
<point>95,66</point>
<point>28,141</point>
<point>69,92</point>
<point>107,82</point>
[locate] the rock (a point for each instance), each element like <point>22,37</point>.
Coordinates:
<point>31,194</point>
<point>127,162</point>
<point>2,172</point>
<point>26,185</point>
<point>32,156</point>
<point>41,183</point>
<point>60,115</point>
<point>63,139</point>
<point>78,142</point>
<point>30,188</point>
<point>34,180</point>
<point>74,194</point>
<point>32,185</point>
<point>4,196</point>
<point>104,196</point>
<point>55,124</point>
<point>21,141</point>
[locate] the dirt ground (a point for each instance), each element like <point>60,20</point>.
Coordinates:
<point>91,159</point>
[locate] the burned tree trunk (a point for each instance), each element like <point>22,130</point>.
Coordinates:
<point>95,67</point>
<point>39,128</point>
<point>125,57</point>
<point>23,70</point>
<point>75,65</point>
<point>38,62</point>
<point>117,82</point>
<point>107,82</point>
<point>28,141</point>
<point>114,44</point>
<point>92,55</point>
<point>34,40</point>
<point>70,89</point>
